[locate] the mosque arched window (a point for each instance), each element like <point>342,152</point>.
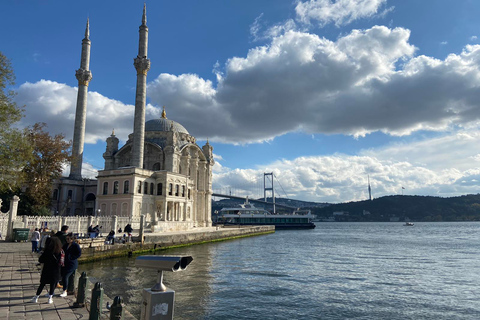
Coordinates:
<point>176,190</point>
<point>159,189</point>
<point>105,188</point>
<point>145,187</point>
<point>170,189</point>
<point>55,194</point>
<point>139,190</point>
<point>126,186</point>
<point>115,187</point>
<point>156,166</point>
<point>183,191</point>
<point>151,188</point>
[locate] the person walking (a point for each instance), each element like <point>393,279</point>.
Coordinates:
<point>61,234</point>
<point>35,239</point>
<point>52,262</point>
<point>72,253</point>
<point>45,239</point>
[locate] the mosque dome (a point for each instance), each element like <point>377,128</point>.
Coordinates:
<point>164,124</point>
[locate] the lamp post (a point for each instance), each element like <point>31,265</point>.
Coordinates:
<point>98,212</point>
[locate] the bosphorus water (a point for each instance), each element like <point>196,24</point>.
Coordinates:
<point>336,271</point>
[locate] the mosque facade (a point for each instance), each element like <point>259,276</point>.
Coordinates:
<point>160,172</point>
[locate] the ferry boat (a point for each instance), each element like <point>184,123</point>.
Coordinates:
<point>247,214</point>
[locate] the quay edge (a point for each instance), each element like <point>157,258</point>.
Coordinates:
<point>95,250</point>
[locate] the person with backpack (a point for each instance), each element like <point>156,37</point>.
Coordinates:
<point>52,259</point>
<point>72,253</point>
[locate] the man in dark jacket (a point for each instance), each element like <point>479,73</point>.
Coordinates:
<point>61,234</point>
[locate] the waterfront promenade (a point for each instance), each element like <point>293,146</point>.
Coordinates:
<point>19,280</point>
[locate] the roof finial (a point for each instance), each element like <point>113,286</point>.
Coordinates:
<point>87,29</point>
<point>113,131</point>
<point>164,114</point>
<point>144,17</point>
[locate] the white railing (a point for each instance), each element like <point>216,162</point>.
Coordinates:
<point>76,224</point>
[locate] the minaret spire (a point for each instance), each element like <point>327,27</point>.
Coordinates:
<point>83,76</point>
<point>87,30</point>
<point>144,17</point>
<point>142,65</point>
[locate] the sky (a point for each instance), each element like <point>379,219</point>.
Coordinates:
<point>325,94</point>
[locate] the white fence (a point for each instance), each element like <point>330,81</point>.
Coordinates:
<point>76,224</point>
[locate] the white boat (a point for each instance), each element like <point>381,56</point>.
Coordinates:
<point>408,224</point>
<point>248,214</point>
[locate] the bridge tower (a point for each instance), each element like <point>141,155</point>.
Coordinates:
<point>265,188</point>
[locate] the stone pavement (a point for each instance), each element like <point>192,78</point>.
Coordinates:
<point>19,280</point>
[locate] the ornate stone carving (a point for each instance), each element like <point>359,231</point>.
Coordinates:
<point>83,76</point>
<point>142,65</point>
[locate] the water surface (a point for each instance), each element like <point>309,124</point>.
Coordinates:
<point>336,271</point>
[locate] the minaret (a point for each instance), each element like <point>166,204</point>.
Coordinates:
<point>369,189</point>
<point>142,65</point>
<point>83,76</point>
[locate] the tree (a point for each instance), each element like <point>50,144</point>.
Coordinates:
<point>49,157</point>
<point>15,150</point>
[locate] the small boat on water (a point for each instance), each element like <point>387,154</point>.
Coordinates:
<point>248,214</point>
<point>408,224</point>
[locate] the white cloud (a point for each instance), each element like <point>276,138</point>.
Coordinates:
<point>55,103</point>
<point>365,81</point>
<point>339,12</point>
<point>442,166</point>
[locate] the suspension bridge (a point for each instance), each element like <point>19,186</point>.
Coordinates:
<point>268,188</point>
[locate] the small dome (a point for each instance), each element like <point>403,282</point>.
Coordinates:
<point>164,124</point>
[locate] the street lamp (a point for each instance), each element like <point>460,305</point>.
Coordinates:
<point>98,212</point>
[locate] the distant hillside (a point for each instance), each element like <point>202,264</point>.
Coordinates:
<point>405,208</point>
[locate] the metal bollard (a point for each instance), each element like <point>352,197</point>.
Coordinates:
<point>82,291</point>
<point>96,302</point>
<point>117,311</point>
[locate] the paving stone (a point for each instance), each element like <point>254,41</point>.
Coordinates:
<point>19,280</point>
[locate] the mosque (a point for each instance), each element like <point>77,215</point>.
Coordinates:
<point>160,172</point>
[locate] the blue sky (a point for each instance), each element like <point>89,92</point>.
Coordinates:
<point>323,93</point>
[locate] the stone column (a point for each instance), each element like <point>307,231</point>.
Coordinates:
<point>12,215</point>
<point>114,223</point>
<point>142,228</point>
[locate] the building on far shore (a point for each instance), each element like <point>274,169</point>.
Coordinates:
<point>160,172</point>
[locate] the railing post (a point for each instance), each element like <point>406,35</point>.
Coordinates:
<point>82,291</point>
<point>96,302</point>
<point>117,311</point>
